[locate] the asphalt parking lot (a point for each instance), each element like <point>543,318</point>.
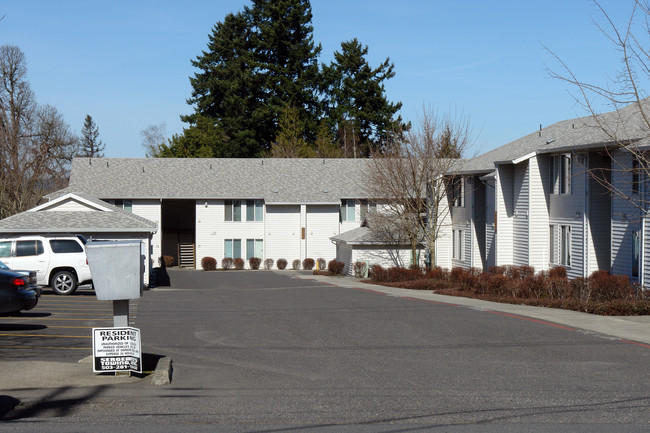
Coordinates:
<point>58,327</point>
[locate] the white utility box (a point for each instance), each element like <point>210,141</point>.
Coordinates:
<point>117,269</point>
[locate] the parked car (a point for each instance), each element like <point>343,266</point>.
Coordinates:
<point>15,295</point>
<point>31,274</point>
<point>59,261</point>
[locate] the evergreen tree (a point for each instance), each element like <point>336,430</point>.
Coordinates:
<point>257,62</point>
<point>358,107</point>
<point>91,145</point>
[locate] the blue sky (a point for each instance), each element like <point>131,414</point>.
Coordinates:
<point>127,63</point>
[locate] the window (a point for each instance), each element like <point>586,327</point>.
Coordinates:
<point>347,210</point>
<point>561,174</point>
<point>232,210</point>
<point>458,237</point>
<point>65,246</point>
<point>457,186</point>
<point>232,248</point>
<point>29,248</point>
<point>635,175</point>
<point>366,208</point>
<point>5,249</point>
<point>254,210</point>
<point>636,252</point>
<point>560,245</point>
<point>126,205</point>
<point>254,248</point>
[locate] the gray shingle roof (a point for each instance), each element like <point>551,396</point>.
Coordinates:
<point>572,134</point>
<point>53,221</point>
<point>274,180</point>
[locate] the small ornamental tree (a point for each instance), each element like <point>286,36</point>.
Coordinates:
<point>281,264</point>
<point>227,263</point>
<point>268,264</point>
<point>308,264</point>
<point>239,263</point>
<point>254,262</point>
<point>295,265</point>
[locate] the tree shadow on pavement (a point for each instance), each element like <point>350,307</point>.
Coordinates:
<point>52,403</point>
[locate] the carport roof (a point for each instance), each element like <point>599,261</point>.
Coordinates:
<point>100,217</point>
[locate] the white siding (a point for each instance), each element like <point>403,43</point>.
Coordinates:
<point>625,220</point>
<point>384,257</point>
<point>344,254</point>
<point>505,211</point>
<point>150,209</point>
<point>520,232</point>
<point>71,205</point>
<point>599,237</point>
<point>443,243</point>
<point>490,244</point>
<point>539,250</point>
<point>283,232</point>
<point>322,223</point>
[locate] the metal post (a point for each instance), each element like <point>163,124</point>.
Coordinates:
<point>121,313</point>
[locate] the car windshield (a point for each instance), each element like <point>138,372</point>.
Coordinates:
<point>4,267</point>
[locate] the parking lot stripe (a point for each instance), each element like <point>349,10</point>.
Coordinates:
<point>45,347</point>
<point>45,335</point>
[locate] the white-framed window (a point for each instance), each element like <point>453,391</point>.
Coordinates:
<point>457,191</point>
<point>254,210</point>
<point>232,210</point>
<point>347,211</point>
<point>561,174</point>
<point>366,208</point>
<point>560,245</point>
<point>458,237</point>
<point>636,253</point>
<point>254,248</point>
<point>126,205</point>
<point>232,248</point>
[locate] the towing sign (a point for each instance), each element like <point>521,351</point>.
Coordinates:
<point>116,349</point>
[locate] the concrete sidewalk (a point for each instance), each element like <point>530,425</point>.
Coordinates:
<point>634,328</point>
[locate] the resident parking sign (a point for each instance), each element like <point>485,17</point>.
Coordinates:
<point>116,349</point>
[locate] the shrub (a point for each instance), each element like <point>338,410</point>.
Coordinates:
<point>295,265</point>
<point>378,274</point>
<point>239,263</point>
<point>606,287</point>
<point>209,263</point>
<point>501,270</point>
<point>281,264</point>
<point>335,267</point>
<point>557,272</point>
<point>321,264</point>
<point>227,263</point>
<point>436,273</point>
<point>254,262</point>
<point>308,264</point>
<point>268,264</point>
<point>169,260</point>
<point>359,269</point>
<point>519,272</point>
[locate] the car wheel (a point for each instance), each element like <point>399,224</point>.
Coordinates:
<point>64,283</point>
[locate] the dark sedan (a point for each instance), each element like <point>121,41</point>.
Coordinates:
<point>15,294</point>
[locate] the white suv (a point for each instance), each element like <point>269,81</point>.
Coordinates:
<point>59,261</point>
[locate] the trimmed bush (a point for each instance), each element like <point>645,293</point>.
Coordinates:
<point>295,265</point>
<point>378,274</point>
<point>268,264</point>
<point>254,262</point>
<point>308,264</point>
<point>335,267</point>
<point>321,264</point>
<point>281,264</point>
<point>209,263</point>
<point>239,263</point>
<point>360,269</point>
<point>227,263</point>
<point>557,272</point>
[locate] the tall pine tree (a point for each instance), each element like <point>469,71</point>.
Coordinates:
<point>358,106</point>
<point>91,145</point>
<point>258,62</point>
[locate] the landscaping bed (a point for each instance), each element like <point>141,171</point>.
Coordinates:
<point>600,293</point>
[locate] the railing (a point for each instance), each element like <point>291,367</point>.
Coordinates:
<point>186,254</point>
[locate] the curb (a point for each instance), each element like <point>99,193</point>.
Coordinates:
<point>162,375</point>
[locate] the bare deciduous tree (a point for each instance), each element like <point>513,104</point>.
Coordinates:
<point>36,146</point>
<point>410,182</point>
<point>627,126</point>
<point>154,137</point>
